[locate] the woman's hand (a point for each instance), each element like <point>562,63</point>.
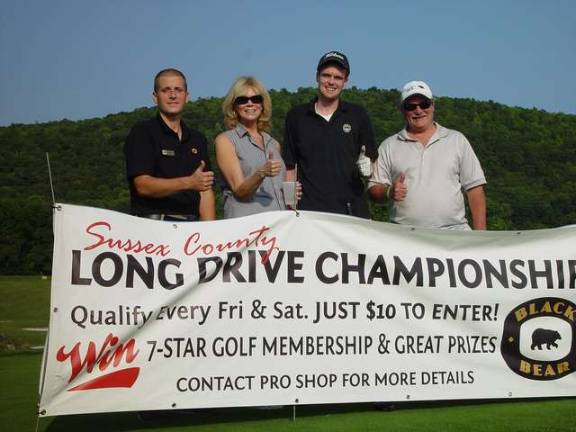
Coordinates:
<point>271,168</point>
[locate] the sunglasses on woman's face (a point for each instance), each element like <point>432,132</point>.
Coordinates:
<point>243,100</point>
<point>411,106</point>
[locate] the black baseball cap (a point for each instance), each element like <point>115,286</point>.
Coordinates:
<point>334,57</point>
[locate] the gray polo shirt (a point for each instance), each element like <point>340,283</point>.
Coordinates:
<point>436,175</point>
<point>268,196</point>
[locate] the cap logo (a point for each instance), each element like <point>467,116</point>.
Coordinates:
<point>346,128</point>
<point>334,54</point>
<point>417,86</point>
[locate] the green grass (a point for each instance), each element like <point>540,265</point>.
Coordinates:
<point>25,303</point>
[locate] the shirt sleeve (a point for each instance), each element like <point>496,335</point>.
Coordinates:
<point>367,135</point>
<point>382,169</point>
<point>471,173</point>
<point>205,153</point>
<point>139,152</point>
<point>288,147</point>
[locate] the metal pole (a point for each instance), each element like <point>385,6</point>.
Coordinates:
<point>50,179</point>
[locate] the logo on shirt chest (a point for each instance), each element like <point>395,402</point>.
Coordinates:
<point>169,152</point>
<point>347,128</point>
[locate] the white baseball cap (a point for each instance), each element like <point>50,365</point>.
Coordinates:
<point>415,87</point>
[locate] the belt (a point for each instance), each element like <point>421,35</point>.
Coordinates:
<point>171,217</point>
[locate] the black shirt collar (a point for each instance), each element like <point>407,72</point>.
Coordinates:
<point>166,129</point>
<point>342,106</point>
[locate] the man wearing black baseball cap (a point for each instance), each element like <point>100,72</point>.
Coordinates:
<point>329,144</point>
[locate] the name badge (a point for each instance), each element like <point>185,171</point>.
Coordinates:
<point>166,152</point>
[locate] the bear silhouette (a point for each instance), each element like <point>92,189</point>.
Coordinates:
<point>546,337</point>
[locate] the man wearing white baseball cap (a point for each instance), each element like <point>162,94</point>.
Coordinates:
<point>424,169</point>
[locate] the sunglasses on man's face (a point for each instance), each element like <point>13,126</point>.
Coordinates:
<point>243,100</point>
<point>411,106</point>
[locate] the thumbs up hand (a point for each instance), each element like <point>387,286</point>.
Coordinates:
<point>364,163</point>
<point>399,190</point>
<point>201,180</point>
<point>271,168</point>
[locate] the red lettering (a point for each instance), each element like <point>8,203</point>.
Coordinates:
<point>255,238</point>
<point>105,356</point>
<point>123,245</point>
<point>119,353</point>
<point>193,238</point>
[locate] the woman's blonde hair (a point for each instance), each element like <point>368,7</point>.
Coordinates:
<point>240,88</point>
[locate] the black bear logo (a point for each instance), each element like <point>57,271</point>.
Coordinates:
<point>544,336</point>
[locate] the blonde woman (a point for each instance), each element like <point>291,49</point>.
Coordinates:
<point>248,157</point>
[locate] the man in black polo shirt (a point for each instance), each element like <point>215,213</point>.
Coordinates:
<point>167,163</point>
<point>325,142</point>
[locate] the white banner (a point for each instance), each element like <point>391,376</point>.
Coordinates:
<point>285,309</point>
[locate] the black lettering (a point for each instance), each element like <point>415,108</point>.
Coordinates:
<point>560,273</point>
<point>76,265</point>
<point>535,274</point>
<point>572,272</point>
<point>319,268</point>
<point>357,268</point>
<point>491,271</point>
<point>379,271</point>
<point>451,273</point>
<point>251,266</point>
<point>415,271</point>
<point>294,266</point>
<point>272,268</point>
<point>435,269</point>
<point>162,274</point>
<point>521,283</point>
<point>202,270</point>
<point>97,267</point>
<point>232,267</point>
<point>146,275</point>
<point>462,273</point>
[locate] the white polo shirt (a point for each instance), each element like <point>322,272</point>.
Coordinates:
<point>436,175</point>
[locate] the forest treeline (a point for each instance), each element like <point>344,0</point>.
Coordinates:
<point>528,155</point>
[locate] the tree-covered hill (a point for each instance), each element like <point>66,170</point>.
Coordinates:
<point>528,155</point>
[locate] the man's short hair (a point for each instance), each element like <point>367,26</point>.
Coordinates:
<point>169,72</point>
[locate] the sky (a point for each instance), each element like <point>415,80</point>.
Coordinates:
<point>79,59</point>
